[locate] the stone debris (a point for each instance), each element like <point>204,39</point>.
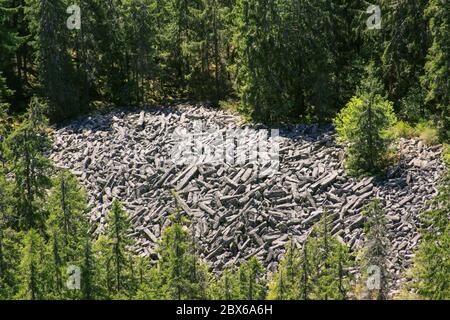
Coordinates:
<point>236,214</point>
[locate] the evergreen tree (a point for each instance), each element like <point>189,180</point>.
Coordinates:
<point>68,229</point>
<point>436,80</point>
<point>375,254</point>
<point>9,44</point>
<point>67,207</point>
<point>287,281</point>
<point>116,257</point>
<point>89,272</point>
<point>57,75</point>
<point>431,270</point>
<point>285,63</point>
<point>364,124</point>
<point>9,261</point>
<point>140,40</point>
<point>318,271</point>
<point>406,40</point>
<point>25,149</point>
<point>179,274</point>
<point>252,283</point>
<point>32,274</point>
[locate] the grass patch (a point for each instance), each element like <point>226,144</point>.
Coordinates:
<point>425,131</point>
<point>403,129</point>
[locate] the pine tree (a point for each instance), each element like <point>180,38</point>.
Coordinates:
<point>436,80</point>
<point>431,269</point>
<point>375,254</point>
<point>364,124</point>
<point>25,149</point>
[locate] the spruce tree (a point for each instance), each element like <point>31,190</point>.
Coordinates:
<point>376,251</point>
<point>286,282</point>
<point>57,75</point>
<point>68,230</point>
<point>67,207</point>
<point>436,80</point>
<point>179,274</point>
<point>114,256</point>
<point>252,283</point>
<point>318,271</point>
<point>25,149</point>
<point>431,269</point>
<point>405,43</point>
<point>88,272</point>
<point>32,274</point>
<point>328,264</point>
<point>364,124</point>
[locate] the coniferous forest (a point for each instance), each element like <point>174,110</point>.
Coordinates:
<point>370,80</point>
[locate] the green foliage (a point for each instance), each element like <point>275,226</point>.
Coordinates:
<point>437,68</point>
<point>376,249</point>
<point>364,124</point>
<point>9,261</point>
<point>179,274</point>
<point>25,149</point>
<point>431,268</point>
<point>284,63</point>
<point>427,133</point>
<point>318,271</point>
<point>32,271</point>
<point>116,258</point>
<point>68,231</point>
<point>412,106</point>
<point>56,72</point>
<point>402,129</point>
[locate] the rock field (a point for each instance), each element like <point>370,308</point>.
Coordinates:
<point>235,213</point>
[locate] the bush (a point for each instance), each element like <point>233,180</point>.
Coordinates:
<point>364,123</point>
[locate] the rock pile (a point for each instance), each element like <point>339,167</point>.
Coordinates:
<point>235,214</point>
